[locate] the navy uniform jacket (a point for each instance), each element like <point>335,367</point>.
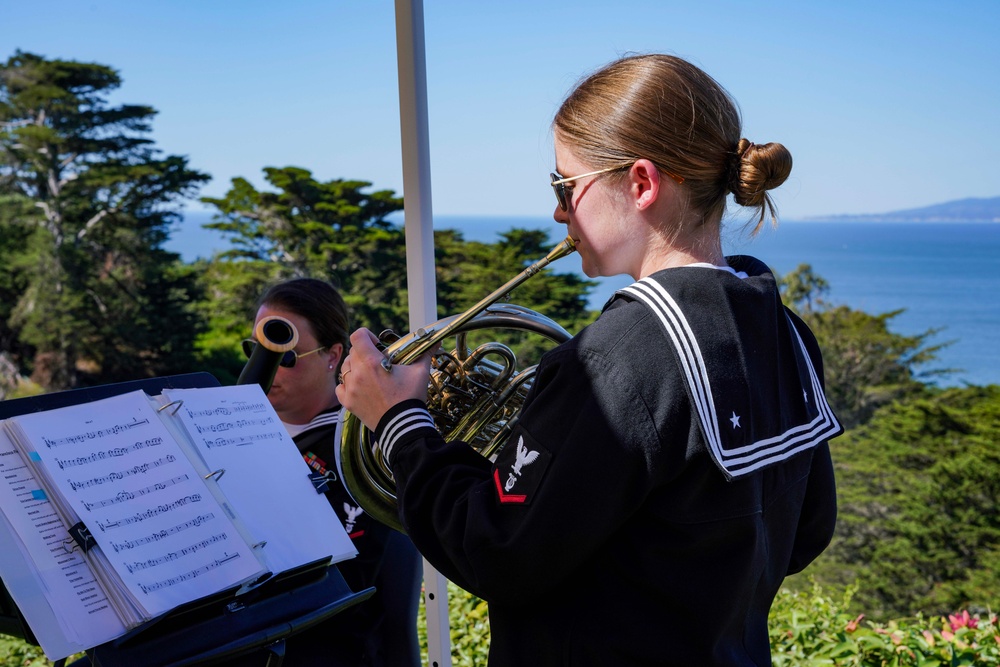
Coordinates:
<point>669,469</point>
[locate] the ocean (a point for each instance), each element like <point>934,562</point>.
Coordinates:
<point>943,276</point>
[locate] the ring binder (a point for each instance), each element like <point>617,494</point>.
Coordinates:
<point>177,406</point>
<point>109,463</point>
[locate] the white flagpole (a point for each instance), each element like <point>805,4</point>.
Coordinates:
<point>419,228</point>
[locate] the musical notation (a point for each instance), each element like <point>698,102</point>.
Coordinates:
<point>139,565</point>
<point>150,513</point>
<point>125,496</point>
<point>161,534</point>
<point>187,576</point>
<point>119,475</point>
<point>111,431</point>
<point>112,453</point>
<point>133,475</point>
<point>246,439</point>
<point>257,454</point>
<point>237,407</point>
<point>234,425</point>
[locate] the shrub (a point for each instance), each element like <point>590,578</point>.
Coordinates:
<point>807,628</point>
<point>810,628</point>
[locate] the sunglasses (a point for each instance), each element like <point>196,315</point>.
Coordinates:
<point>288,359</point>
<point>564,192</point>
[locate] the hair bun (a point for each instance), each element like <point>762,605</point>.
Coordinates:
<point>755,170</point>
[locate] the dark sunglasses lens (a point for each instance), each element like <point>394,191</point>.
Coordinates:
<point>248,347</point>
<point>560,190</point>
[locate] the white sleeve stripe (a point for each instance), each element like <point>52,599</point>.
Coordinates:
<point>403,423</point>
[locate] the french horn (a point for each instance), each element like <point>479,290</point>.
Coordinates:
<point>474,396</point>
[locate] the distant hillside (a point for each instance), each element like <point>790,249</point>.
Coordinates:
<point>961,210</point>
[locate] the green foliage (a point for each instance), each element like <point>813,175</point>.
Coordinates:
<point>918,470</point>
<point>329,230</point>
<point>919,523</point>
<point>865,364</point>
<point>337,232</point>
<point>13,279</point>
<point>469,628</point>
<point>810,628</point>
<point>90,295</point>
<point>807,628</point>
<point>16,653</point>
<point>469,271</point>
<point>802,290</point>
<point>230,290</point>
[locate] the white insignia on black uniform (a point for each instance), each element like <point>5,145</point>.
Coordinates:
<point>352,515</point>
<point>525,457</point>
<point>735,419</point>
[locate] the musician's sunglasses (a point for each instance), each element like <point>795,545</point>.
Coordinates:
<point>288,359</point>
<point>564,192</point>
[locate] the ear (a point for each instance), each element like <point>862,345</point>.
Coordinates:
<point>334,355</point>
<point>645,183</point>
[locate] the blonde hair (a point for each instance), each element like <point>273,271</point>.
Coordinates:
<point>666,110</point>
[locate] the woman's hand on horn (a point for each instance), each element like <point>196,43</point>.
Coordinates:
<point>370,386</point>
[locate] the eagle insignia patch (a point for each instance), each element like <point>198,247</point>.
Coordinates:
<point>519,469</point>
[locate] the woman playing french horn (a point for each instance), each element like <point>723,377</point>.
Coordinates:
<point>670,466</point>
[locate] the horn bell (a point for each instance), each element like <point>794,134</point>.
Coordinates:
<point>474,394</point>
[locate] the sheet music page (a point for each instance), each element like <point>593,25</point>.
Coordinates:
<point>236,429</point>
<point>131,484</point>
<point>43,569</point>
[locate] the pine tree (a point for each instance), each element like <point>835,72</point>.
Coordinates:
<point>95,296</point>
<point>331,230</point>
<point>338,231</point>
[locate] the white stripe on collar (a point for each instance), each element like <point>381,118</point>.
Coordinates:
<point>737,461</point>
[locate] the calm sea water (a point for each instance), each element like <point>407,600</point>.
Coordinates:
<point>941,275</point>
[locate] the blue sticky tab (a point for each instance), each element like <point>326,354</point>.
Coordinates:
<point>34,456</point>
<point>38,494</point>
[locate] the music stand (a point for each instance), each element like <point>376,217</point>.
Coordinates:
<point>216,628</point>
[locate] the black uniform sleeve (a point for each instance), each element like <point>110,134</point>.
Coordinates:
<point>819,512</point>
<point>577,465</point>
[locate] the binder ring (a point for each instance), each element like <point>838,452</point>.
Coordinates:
<point>178,403</point>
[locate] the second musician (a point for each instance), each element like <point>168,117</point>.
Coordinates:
<point>381,631</point>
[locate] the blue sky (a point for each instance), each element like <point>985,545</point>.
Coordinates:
<point>884,105</point>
